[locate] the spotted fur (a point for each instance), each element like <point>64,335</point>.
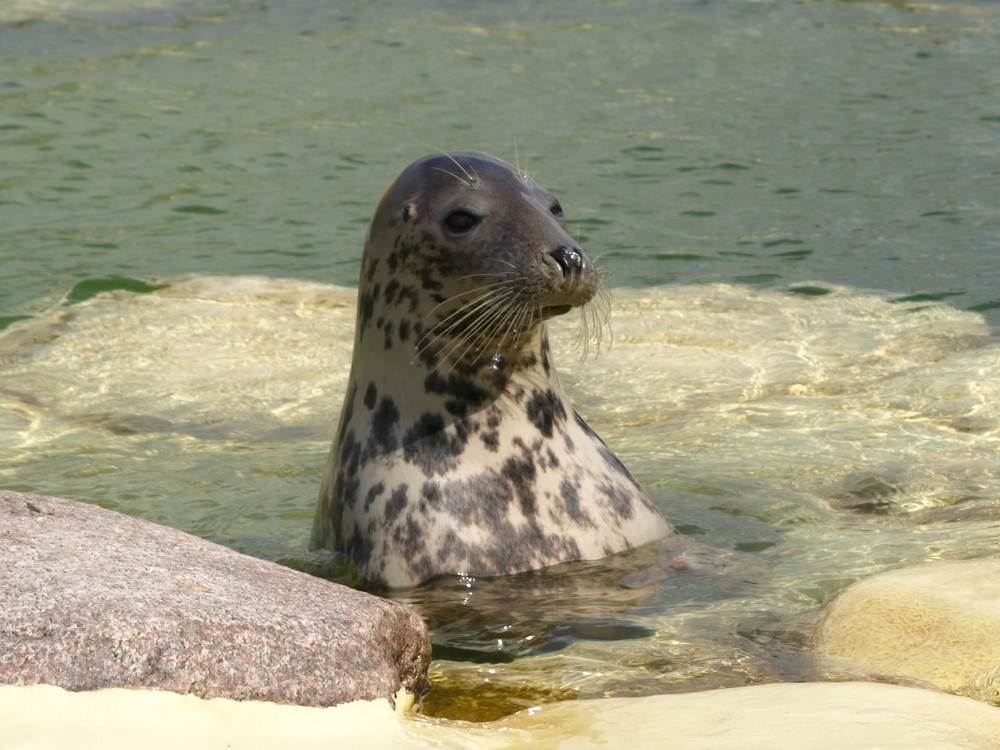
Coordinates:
<point>457,450</point>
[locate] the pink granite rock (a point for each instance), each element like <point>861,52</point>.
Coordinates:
<point>90,598</point>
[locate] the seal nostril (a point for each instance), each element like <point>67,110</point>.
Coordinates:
<point>570,259</point>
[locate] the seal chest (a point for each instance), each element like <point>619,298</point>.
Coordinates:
<point>457,450</point>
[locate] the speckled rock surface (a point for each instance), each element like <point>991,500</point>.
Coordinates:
<point>90,598</point>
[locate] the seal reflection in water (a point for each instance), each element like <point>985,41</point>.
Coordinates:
<point>457,450</point>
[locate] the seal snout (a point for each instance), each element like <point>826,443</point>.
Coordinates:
<point>574,283</point>
<point>571,260</point>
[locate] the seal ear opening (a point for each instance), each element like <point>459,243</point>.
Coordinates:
<point>409,212</point>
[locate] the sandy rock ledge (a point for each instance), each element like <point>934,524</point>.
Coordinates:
<point>91,599</point>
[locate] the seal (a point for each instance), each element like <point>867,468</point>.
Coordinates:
<point>457,450</point>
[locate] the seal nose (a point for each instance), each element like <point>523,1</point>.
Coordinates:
<point>570,259</point>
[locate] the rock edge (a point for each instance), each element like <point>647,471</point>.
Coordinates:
<point>90,598</point>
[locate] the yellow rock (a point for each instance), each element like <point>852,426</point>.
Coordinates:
<point>939,623</point>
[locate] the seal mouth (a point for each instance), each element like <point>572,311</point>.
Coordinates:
<point>553,310</point>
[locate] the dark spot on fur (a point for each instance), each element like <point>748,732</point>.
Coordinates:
<point>372,266</point>
<point>545,409</point>
<point>393,259</point>
<point>459,387</point>
<point>571,500</point>
<point>412,545</point>
<point>428,355</point>
<point>500,378</point>
<point>410,294</point>
<point>621,501</point>
<point>388,334</point>
<point>482,499</point>
<point>346,484</point>
<point>452,548</point>
<point>359,546</point>
<point>521,472</point>
<point>350,453</point>
<point>390,291</point>
<point>384,422</point>
<point>465,428</point>
<point>370,395</point>
<point>430,446</point>
<point>456,407</point>
<point>374,491</point>
<point>397,501</point>
<point>431,493</point>
<point>404,330</point>
<point>366,308</point>
<point>491,440</point>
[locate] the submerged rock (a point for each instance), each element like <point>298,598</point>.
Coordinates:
<point>938,623</point>
<point>90,599</point>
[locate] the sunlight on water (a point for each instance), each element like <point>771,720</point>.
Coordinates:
<point>797,442</point>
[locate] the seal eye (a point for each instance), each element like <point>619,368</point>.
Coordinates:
<point>460,222</point>
<point>557,211</point>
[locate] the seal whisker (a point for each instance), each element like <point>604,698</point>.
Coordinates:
<point>458,316</point>
<point>508,263</point>
<point>476,290</point>
<point>476,331</point>
<point>482,291</point>
<point>490,325</point>
<point>469,171</point>
<point>479,275</point>
<point>594,319</point>
<point>482,307</point>
<point>514,324</point>
<point>523,317</point>
<point>522,171</point>
<point>487,327</point>
<point>465,181</point>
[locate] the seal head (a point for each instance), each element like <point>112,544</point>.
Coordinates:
<point>457,450</point>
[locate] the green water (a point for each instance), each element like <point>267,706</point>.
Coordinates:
<point>758,142</point>
<point>746,172</point>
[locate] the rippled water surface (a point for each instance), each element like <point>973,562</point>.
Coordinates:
<point>797,203</point>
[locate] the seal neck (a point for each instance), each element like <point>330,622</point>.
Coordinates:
<point>504,376</point>
<point>423,380</point>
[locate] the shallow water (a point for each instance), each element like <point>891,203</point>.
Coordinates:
<point>747,173</point>
<point>798,443</point>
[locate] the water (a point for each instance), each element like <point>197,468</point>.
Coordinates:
<point>798,204</point>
